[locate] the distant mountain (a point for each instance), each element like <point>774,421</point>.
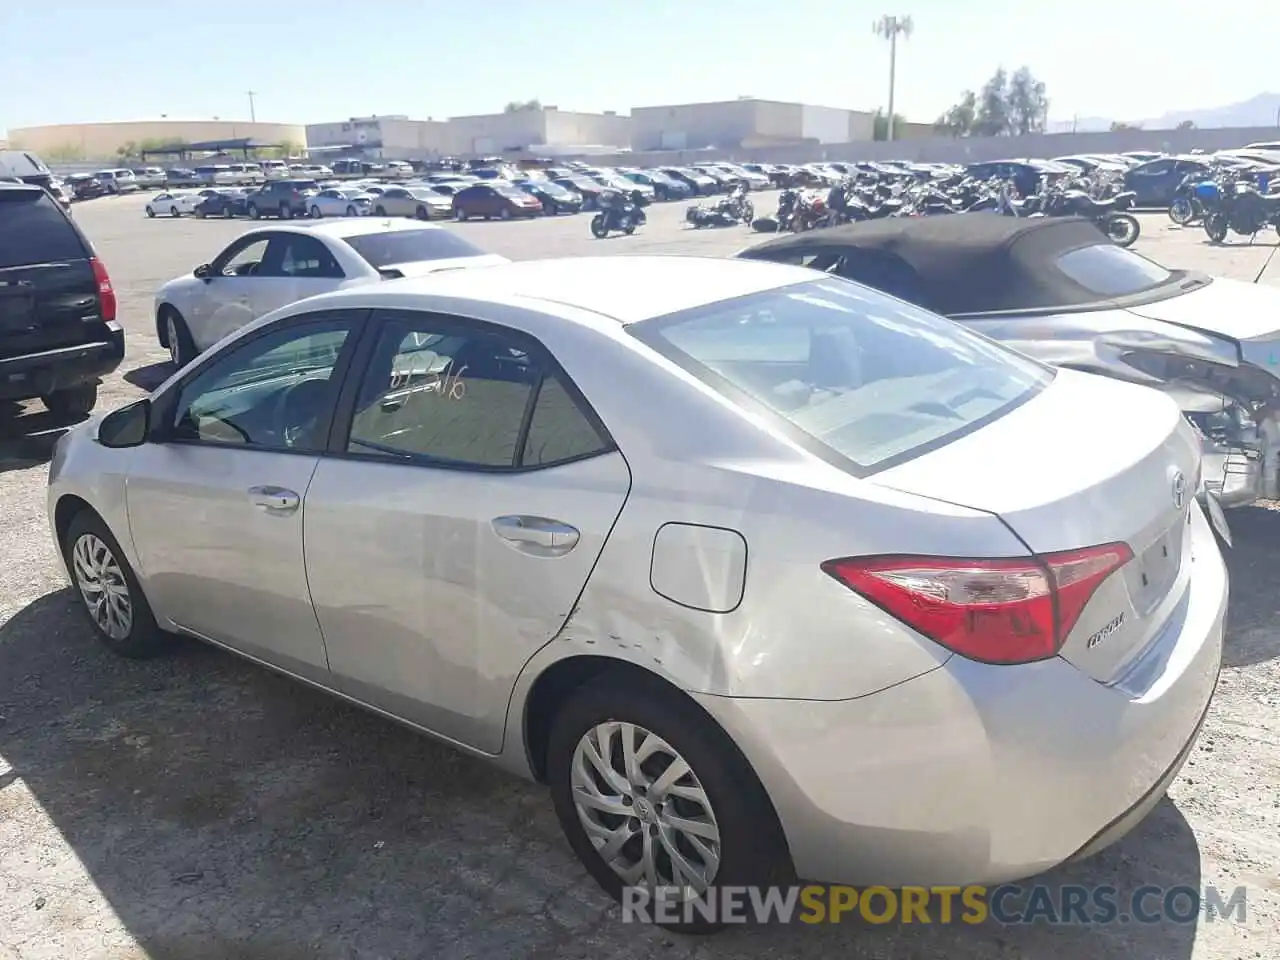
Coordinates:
<point>1260,111</point>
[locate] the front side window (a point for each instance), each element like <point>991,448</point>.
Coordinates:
<point>271,393</point>
<point>243,259</point>
<point>871,379</point>
<point>438,394</point>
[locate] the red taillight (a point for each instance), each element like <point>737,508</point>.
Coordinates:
<point>106,293</point>
<point>996,611</point>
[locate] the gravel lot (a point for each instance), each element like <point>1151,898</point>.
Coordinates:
<point>199,808</point>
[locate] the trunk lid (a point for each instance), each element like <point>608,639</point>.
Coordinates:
<point>1228,308</point>
<point>1089,461</point>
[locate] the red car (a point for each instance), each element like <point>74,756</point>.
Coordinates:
<point>494,199</point>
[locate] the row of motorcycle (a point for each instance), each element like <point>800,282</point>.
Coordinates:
<point>872,196</point>
<point>1227,201</point>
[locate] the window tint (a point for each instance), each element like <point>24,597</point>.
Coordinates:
<point>559,430</point>
<point>411,246</point>
<point>296,255</point>
<point>871,378</point>
<point>442,396</point>
<point>273,392</point>
<point>34,230</point>
<point>1112,271</point>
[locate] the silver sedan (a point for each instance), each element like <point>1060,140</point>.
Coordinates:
<point>760,571</point>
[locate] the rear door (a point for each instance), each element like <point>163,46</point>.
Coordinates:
<point>47,288</point>
<point>448,535</point>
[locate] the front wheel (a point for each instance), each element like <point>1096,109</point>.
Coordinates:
<point>651,793</point>
<point>173,212</point>
<point>254,212</point>
<point>351,212</point>
<point>1123,229</point>
<point>1215,227</point>
<point>286,212</point>
<point>748,211</point>
<point>1181,212</point>
<point>315,212</point>
<point>599,229</point>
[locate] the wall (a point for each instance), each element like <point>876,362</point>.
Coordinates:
<point>698,124</point>
<point>99,141</point>
<point>963,150</point>
<point>570,128</point>
<point>825,124</point>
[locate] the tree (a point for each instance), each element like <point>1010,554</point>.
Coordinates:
<point>1186,125</point>
<point>1117,126</point>
<point>959,120</point>
<point>880,125</point>
<point>515,106</point>
<point>993,106</point>
<point>1026,103</point>
<point>127,149</point>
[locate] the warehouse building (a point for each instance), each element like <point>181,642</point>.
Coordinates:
<point>745,122</point>
<point>392,137</point>
<point>101,141</point>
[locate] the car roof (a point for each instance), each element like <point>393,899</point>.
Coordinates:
<point>340,228</point>
<point>976,263</point>
<point>625,289</point>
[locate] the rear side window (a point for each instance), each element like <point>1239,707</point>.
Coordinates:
<point>874,380</point>
<point>34,230</point>
<point>1111,271</point>
<point>411,246</point>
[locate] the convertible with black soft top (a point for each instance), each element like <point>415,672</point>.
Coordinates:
<point>1058,290</point>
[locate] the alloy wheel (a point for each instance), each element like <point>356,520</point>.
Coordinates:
<point>644,809</point>
<point>103,586</point>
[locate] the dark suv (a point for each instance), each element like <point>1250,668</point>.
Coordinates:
<point>281,198</point>
<point>58,329</point>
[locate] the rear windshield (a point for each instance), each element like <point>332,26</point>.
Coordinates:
<point>411,246</point>
<point>1111,271</point>
<point>34,230</point>
<point>833,363</point>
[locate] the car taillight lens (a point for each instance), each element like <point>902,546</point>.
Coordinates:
<point>106,293</point>
<point>991,610</point>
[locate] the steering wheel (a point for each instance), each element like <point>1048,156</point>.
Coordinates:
<point>297,409</point>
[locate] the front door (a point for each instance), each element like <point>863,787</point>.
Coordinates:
<point>223,302</point>
<point>216,503</point>
<point>452,535</point>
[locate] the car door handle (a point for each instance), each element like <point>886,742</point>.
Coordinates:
<point>537,536</point>
<point>274,499</point>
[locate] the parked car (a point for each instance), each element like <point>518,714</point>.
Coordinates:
<point>274,169</point>
<point>150,178</point>
<point>341,202</point>
<point>1058,289</point>
<point>58,329</point>
<point>589,190</point>
<point>174,203</point>
<point>925,580</point>
<point>282,198</point>
<point>215,175</point>
<point>270,267</point>
<point>117,181</point>
<point>222,202</point>
<point>494,198</point>
<point>416,202</point>
<point>1155,182</point>
<point>181,177</point>
<point>701,184</point>
<point>554,198</point>
<point>85,186</point>
<point>663,187</point>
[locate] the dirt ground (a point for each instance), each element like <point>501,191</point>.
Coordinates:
<point>200,808</point>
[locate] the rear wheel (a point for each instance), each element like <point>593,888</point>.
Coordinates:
<point>504,213</point>
<point>286,212</point>
<point>254,212</point>
<point>1123,229</point>
<point>173,212</point>
<point>651,793</point>
<point>422,213</point>
<point>315,212</point>
<point>599,229</point>
<point>459,214</point>
<point>380,211</point>
<point>72,402</point>
<point>151,213</point>
<point>109,592</point>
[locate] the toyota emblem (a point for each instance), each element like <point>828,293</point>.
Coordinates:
<point>1179,489</point>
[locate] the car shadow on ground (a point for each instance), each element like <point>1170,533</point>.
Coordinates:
<point>28,434</point>
<point>149,377</point>
<point>223,811</point>
<point>1253,635</point>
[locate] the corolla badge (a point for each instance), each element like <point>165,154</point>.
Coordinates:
<point>1179,489</point>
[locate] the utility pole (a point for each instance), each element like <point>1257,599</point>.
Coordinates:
<point>253,117</point>
<point>890,28</point>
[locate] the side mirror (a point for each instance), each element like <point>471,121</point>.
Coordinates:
<point>126,427</point>
<point>203,272</point>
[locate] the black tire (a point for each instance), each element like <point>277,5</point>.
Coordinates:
<point>380,211</point>
<point>752,848</point>
<point>315,212</point>
<point>1122,228</point>
<point>551,208</point>
<point>459,214</point>
<point>144,638</point>
<point>183,351</point>
<point>254,212</point>
<point>73,402</point>
<point>352,212</point>
<point>173,212</point>
<point>1215,227</point>
<point>765,225</point>
<point>505,213</point>
<point>200,214</point>
<point>286,212</point>
<point>229,213</point>
<point>1181,211</point>
<point>151,213</point>
<point>598,228</point>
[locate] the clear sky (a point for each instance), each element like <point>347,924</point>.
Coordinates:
<point>66,61</point>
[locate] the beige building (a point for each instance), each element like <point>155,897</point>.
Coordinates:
<point>101,141</point>
<point>394,137</point>
<point>745,122</point>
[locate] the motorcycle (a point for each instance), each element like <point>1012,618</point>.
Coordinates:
<point>727,211</point>
<point>616,213</point>
<point>1242,209</point>
<point>1110,215</point>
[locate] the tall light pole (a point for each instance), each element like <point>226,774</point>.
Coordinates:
<point>253,117</point>
<point>890,28</point>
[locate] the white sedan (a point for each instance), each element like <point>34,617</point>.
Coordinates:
<point>276,265</point>
<point>340,202</point>
<point>175,204</point>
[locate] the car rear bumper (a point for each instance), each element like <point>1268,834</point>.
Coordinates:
<point>983,774</point>
<point>40,374</point>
